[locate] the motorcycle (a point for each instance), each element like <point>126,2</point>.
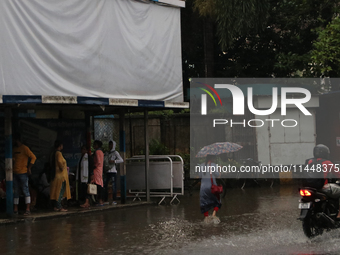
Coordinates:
<point>318,212</point>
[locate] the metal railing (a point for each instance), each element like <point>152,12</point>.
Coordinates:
<point>166,177</point>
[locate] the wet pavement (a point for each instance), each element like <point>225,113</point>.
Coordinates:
<point>43,214</point>
<point>253,221</point>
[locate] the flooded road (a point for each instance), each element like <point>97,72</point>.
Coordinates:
<point>253,221</point>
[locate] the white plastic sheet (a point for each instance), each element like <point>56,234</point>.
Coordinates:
<point>94,48</point>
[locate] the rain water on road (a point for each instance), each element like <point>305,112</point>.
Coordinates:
<point>258,220</point>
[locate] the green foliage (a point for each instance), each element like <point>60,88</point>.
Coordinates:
<point>156,148</point>
<point>223,110</point>
<point>186,161</point>
<point>326,53</point>
<point>234,18</point>
<point>165,113</point>
<point>184,111</point>
<point>295,22</point>
<point>205,7</point>
<point>261,38</point>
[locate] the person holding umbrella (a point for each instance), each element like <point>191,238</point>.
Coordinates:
<point>208,200</point>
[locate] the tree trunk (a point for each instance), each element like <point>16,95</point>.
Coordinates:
<point>208,31</point>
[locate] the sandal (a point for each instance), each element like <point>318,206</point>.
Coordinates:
<point>63,210</point>
<point>56,209</point>
<point>27,213</point>
<point>85,206</point>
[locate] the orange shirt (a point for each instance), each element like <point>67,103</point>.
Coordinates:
<point>331,169</point>
<point>21,155</point>
<point>98,161</point>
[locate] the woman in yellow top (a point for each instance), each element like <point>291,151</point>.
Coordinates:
<point>60,186</point>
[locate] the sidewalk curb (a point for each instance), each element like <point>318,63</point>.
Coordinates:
<point>73,211</point>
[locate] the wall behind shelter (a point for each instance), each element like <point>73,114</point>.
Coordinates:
<point>171,132</point>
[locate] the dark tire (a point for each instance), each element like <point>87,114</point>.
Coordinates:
<point>309,228</point>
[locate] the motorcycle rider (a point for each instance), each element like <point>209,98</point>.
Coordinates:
<point>321,156</point>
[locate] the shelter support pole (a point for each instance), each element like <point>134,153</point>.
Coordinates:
<point>88,141</point>
<point>146,136</point>
<point>122,148</point>
<point>88,132</point>
<point>8,161</point>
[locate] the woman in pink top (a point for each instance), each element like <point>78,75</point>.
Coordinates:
<point>97,177</point>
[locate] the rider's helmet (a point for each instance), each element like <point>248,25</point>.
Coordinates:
<point>321,151</point>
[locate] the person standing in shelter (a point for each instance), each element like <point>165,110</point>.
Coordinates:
<point>97,176</point>
<point>83,173</point>
<point>21,170</point>
<point>111,174</point>
<point>60,186</point>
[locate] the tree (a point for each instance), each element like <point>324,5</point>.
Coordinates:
<point>283,47</point>
<point>296,22</point>
<point>192,45</point>
<point>234,18</point>
<point>263,38</point>
<point>326,53</point>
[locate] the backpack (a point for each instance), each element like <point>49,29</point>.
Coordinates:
<point>312,178</point>
<point>107,166</point>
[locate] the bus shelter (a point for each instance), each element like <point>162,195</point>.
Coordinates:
<point>81,59</point>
